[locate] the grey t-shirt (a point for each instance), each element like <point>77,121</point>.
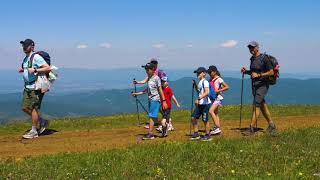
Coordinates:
<point>260,64</point>
<point>154,83</point>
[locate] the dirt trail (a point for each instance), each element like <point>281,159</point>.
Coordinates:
<point>82,141</point>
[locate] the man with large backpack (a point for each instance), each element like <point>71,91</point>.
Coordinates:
<point>33,65</point>
<point>264,72</point>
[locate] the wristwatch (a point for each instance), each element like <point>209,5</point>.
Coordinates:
<point>35,70</point>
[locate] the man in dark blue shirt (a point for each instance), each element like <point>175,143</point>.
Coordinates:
<point>260,71</point>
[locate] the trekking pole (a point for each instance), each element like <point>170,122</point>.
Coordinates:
<point>137,106</point>
<point>254,100</point>
<point>241,100</point>
<point>191,110</point>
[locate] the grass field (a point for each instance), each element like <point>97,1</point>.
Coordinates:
<point>229,112</point>
<point>293,154</point>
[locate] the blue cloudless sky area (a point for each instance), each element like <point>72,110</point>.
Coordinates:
<point>180,33</point>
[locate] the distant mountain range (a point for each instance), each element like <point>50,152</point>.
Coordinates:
<point>84,80</point>
<point>105,102</point>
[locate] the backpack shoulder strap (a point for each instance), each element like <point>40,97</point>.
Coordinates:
<point>31,60</point>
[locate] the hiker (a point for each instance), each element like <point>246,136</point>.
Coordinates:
<point>158,72</point>
<point>260,70</point>
<point>202,106</point>
<point>168,94</point>
<point>155,96</point>
<point>32,98</point>
<point>219,86</point>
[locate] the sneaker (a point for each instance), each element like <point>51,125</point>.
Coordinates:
<point>250,131</point>
<point>43,125</point>
<point>216,131</point>
<point>206,138</point>
<point>164,131</point>
<point>147,126</point>
<point>170,128</point>
<point>159,129</point>
<point>148,137</point>
<point>30,135</point>
<point>271,128</point>
<point>195,136</point>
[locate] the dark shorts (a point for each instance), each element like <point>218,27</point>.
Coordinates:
<point>259,93</point>
<point>201,110</point>
<point>32,99</point>
<point>166,114</point>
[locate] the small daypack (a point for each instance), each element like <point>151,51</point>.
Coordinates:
<point>161,74</point>
<point>275,67</point>
<point>212,93</point>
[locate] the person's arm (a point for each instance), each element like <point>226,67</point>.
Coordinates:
<point>141,82</point>
<point>245,71</point>
<point>163,98</point>
<point>268,73</point>
<point>42,65</point>
<point>43,69</point>
<point>139,93</point>
<point>225,87</point>
<point>175,101</point>
<point>195,86</point>
<point>205,94</point>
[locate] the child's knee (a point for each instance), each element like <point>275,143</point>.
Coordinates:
<point>194,121</point>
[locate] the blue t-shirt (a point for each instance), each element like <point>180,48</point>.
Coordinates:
<point>30,78</point>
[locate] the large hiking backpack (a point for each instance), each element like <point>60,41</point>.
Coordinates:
<point>276,69</point>
<point>44,55</point>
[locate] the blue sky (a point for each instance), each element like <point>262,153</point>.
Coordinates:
<point>180,33</point>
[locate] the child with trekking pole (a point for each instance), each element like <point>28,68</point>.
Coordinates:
<point>219,87</point>
<point>168,94</point>
<point>155,96</point>
<point>202,103</point>
<point>158,72</point>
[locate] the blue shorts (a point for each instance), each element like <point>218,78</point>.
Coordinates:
<point>154,107</point>
<point>201,110</point>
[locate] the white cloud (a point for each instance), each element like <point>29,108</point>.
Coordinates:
<point>82,46</point>
<point>158,46</point>
<point>106,45</point>
<point>229,44</point>
<point>189,45</point>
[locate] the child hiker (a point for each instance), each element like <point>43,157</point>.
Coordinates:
<point>202,106</point>
<point>156,97</point>
<point>219,86</point>
<point>158,72</point>
<point>168,94</point>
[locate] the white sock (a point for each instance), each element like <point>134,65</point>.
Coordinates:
<point>34,129</point>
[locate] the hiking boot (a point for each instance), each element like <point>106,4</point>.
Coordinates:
<point>43,125</point>
<point>215,131</point>
<point>249,132</point>
<point>271,128</point>
<point>159,129</point>
<point>206,138</point>
<point>30,135</point>
<point>195,136</point>
<point>170,128</point>
<point>149,136</point>
<point>164,131</point>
